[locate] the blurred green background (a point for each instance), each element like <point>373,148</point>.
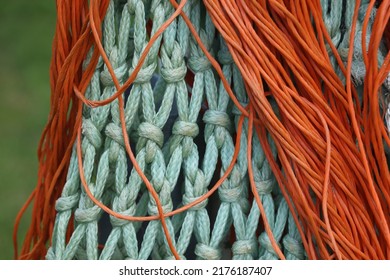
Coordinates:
<point>26,32</point>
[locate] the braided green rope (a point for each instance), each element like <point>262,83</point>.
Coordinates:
<point>184,130</point>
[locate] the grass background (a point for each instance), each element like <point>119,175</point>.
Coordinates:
<point>26,32</point>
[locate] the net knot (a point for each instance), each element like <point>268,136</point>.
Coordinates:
<point>118,222</point>
<point>188,199</point>
<point>185,129</point>
<point>217,118</point>
<point>92,133</point>
<point>106,78</point>
<point>152,208</point>
<point>293,246</point>
<point>87,215</point>
<point>174,75</point>
<point>244,247</point>
<point>264,186</point>
<point>265,243</point>
<point>67,203</point>
<point>207,252</point>
<point>199,64</point>
<point>225,57</point>
<point>145,74</point>
<point>229,195</point>
<point>114,132</point>
<point>151,132</point>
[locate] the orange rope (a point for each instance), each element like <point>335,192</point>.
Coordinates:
<point>282,51</point>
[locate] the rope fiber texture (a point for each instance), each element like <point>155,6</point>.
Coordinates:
<point>214,130</point>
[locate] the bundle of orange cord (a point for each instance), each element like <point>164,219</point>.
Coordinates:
<point>331,165</point>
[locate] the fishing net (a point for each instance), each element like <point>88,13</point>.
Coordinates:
<point>151,152</point>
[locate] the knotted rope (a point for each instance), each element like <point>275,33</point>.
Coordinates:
<point>215,130</point>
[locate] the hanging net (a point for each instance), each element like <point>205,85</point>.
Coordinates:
<point>215,130</point>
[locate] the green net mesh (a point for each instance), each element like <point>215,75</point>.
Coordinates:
<point>182,126</point>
